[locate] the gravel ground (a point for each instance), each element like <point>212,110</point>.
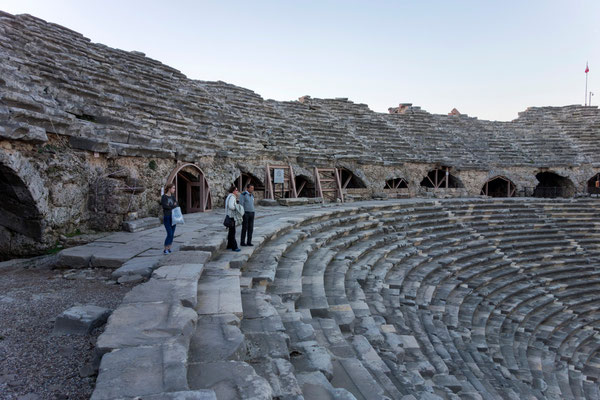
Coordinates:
<point>34,363</point>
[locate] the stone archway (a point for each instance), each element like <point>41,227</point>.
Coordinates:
<point>305,186</point>
<point>499,186</point>
<point>349,180</point>
<point>593,184</point>
<point>191,188</point>
<point>18,210</point>
<point>441,178</point>
<point>246,178</point>
<point>553,185</point>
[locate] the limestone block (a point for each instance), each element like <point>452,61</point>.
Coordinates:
<point>113,257</point>
<point>268,202</point>
<point>187,395</point>
<point>349,373</point>
<point>280,375</point>
<point>180,291</point>
<point>189,272</point>
<point>81,319</point>
<point>137,266</point>
<point>142,371</point>
<point>316,386</point>
<point>309,356</point>
<point>185,257</point>
<point>24,132</point>
<point>261,345</point>
<point>130,279</point>
<point>141,224</point>
<point>93,145</point>
<point>145,324</point>
<point>229,380</point>
<point>217,338</point>
<point>219,295</point>
<point>77,257</point>
<point>300,201</point>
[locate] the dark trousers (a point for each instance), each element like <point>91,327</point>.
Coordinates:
<point>168,221</point>
<point>231,242</point>
<point>247,227</point>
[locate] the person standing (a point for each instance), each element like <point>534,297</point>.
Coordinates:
<point>168,203</point>
<point>247,201</point>
<point>231,210</point>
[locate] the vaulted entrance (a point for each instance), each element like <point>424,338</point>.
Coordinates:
<point>441,178</point>
<point>593,184</point>
<point>553,185</point>
<point>247,178</point>
<point>18,210</point>
<point>191,188</point>
<point>305,186</point>
<point>499,187</point>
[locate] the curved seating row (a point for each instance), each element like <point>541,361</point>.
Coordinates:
<point>442,299</point>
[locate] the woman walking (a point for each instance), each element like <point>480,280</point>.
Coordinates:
<point>234,211</point>
<point>168,203</point>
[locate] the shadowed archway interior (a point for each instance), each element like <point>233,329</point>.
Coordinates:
<point>18,211</point>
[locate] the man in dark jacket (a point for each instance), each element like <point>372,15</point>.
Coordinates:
<point>247,201</point>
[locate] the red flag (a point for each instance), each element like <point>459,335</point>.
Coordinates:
<point>586,68</point>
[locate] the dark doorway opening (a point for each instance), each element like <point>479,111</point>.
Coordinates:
<point>441,178</point>
<point>350,181</point>
<point>553,185</point>
<point>593,184</point>
<point>246,178</point>
<point>191,188</point>
<point>396,183</point>
<point>18,210</point>
<point>304,186</point>
<point>499,187</point>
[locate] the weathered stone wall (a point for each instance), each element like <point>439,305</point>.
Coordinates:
<point>89,134</point>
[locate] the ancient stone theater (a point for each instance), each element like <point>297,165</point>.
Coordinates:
<point>403,255</point>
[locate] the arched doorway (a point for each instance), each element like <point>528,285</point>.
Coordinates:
<point>441,178</point>
<point>191,188</point>
<point>499,187</point>
<point>349,180</point>
<point>18,210</point>
<point>593,184</point>
<point>553,185</point>
<point>244,179</point>
<point>305,187</point>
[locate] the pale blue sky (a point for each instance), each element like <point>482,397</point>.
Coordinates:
<point>489,59</point>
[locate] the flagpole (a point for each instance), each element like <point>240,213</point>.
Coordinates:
<point>586,95</point>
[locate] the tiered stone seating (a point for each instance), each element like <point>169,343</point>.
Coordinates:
<point>116,102</point>
<point>435,299</point>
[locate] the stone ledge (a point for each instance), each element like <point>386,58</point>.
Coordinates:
<point>142,371</point>
<point>81,319</point>
<point>145,324</point>
<point>141,224</point>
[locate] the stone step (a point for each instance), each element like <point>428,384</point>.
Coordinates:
<point>229,380</point>
<point>141,224</point>
<point>219,293</point>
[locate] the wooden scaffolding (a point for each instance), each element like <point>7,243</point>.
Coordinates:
<point>280,190</point>
<point>328,184</point>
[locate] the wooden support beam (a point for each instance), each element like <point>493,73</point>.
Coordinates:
<point>347,181</point>
<point>301,187</point>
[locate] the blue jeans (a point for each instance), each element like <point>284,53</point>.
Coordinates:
<point>168,221</point>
